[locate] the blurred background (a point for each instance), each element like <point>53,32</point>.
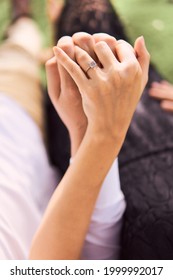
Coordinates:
<point>151,18</point>
<point>39,13</point>
<point>154,20</point>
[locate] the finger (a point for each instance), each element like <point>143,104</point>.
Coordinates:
<point>67,45</point>
<point>167,105</point>
<point>72,68</point>
<point>161,91</point>
<point>163,82</point>
<point>110,40</point>
<point>161,94</point>
<point>53,79</point>
<point>167,85</point>
<point>156,85</point>
<point>157,93</point>
<point>161,85</point>
<point>143,57</point>
<point>85,61</point>
<point>105,55</point>
<point>86,42</point>
<point>124,51</point>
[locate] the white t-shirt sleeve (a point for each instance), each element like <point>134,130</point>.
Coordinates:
<point>24,194</point>
<point>103,237</point>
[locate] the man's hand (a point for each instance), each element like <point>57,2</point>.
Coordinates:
<point>164,92</point>
<point>65,96</point>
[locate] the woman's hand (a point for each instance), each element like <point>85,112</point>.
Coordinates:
<point>111,92</point>
<point>164,92</point>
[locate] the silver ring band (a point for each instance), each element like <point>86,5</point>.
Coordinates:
<point>92,65</point>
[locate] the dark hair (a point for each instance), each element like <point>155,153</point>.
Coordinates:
<point>91,17</point>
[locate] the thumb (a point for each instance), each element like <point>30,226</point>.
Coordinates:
<point>143,57</point>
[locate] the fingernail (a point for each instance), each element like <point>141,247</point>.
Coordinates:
<point>142,40</point>
<point>55,50</point>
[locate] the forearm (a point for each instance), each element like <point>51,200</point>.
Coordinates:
<point>63,230</point>
<point>103,237</point>
<point>76,136</point>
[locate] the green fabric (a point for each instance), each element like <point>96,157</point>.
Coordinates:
<point>154,20</point>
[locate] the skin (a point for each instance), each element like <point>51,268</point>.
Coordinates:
<point>66,97</point>
<point>54,9</point>
<point>163,91</point>
<point>69,104</point>
<point>125,62</point>
<point>109,96</point>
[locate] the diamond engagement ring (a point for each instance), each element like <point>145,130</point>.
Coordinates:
<point>92,65</point>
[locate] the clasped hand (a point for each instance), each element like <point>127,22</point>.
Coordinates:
<point>95,83</point>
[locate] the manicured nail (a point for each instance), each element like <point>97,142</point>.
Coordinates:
<point>142,40</point>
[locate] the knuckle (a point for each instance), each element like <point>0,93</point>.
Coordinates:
<point>123,45</point>
<point>82,38</point>
<point>131,67</point>
<point>110,39</point>
<point>121,42</point>
<point>113,70</point>
<point>111,42</point>
<point>115,76</point>
<point>101,44</point>
<point>106,38</point>
<point>65,47</point>
<point>65,43</point>
<point>81,56</point>
<point>63,40</point>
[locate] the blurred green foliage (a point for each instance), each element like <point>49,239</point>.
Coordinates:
<point>154,20</point>
<point>39,14</point>
<point>151,18</point>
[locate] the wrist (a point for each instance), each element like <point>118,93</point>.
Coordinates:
<point>108,137</point>
<point>76,136</point>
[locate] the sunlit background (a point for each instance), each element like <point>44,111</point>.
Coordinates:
<point>151,18</point>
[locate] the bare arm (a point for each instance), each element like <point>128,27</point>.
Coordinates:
<point>63,229</point>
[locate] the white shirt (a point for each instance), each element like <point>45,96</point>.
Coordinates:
<point>27,182</point>
<point>103,237</point>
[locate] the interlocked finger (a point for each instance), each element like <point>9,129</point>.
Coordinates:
<point>86,62</point>
<point>71,66</point>
<point>86,42</point>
